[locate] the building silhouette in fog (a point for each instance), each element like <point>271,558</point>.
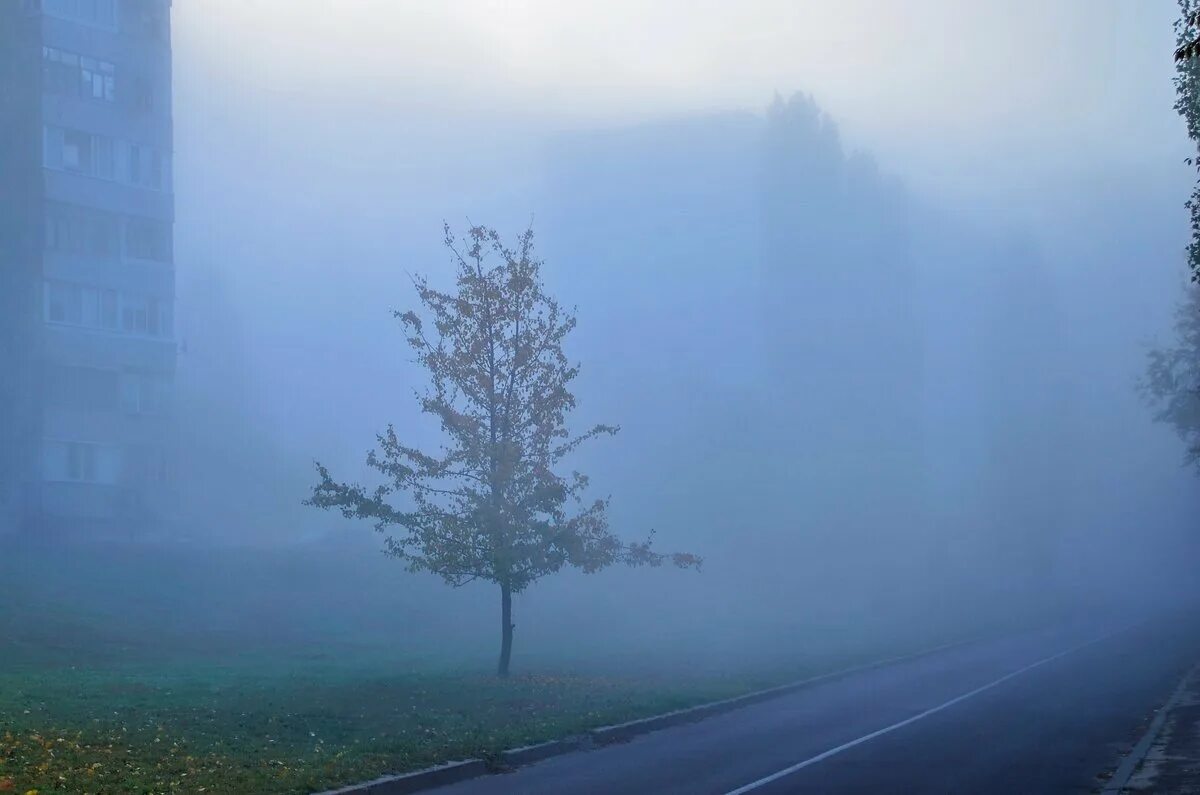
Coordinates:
<point>87,281</point>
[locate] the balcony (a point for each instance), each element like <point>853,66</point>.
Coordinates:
<point>122,274</point>
<point>110,195</point>
<point>115,427</point>
<point>65,344</point>
<point>114,119</point>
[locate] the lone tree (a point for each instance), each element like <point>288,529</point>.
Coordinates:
<point>489,504</point>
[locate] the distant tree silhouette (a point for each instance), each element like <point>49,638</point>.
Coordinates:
<point>1172,380</point>
<point>842,335</point>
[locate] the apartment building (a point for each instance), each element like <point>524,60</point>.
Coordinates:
<point>87,281</point>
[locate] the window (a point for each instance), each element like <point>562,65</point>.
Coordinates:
<point>143,95</point>
<point>101,13</point>
<point>149,464</point>
<point>97,156</point>
<point>102,157</point>
<point>83,388</point>
<point>52,147</point>
<point>64,303</point>
<point>146,238</point>
<point>102,239</point>
<point>75,75</point>
<point>81,231</point>
<point>99,307</point>
<point>146,316</point>
<point>79,152</point>
<point>96,307</point>
<point>65,233</point>
<point>153,317</point>
<point>108,309</point>
<point>143,393</point>
<point>59,70</point>
<point>90,463</point>
<point>83,462</point>
<point>144,166</point>
<point>133,318</point>
<point>96,79</point>
<point>85,231</point>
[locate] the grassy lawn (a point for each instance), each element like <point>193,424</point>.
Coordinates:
<point>271,727</point>
<point>138,720</point>
<point>101,698</point>
<point>90,705</point>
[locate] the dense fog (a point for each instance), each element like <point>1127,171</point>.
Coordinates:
<point>871,326</point>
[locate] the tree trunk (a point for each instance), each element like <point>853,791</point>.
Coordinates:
<point>506,629</point>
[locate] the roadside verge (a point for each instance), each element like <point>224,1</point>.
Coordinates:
<point>1157,763</point>
<point>454,772</point>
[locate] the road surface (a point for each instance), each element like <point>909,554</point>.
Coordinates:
<point>1042,712</point>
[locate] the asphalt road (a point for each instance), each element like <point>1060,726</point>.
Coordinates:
<point>1043,712</point>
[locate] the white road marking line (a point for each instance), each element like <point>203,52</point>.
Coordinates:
<point>787,771</point>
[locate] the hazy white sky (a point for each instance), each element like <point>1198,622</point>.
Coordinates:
<point>918,74</point>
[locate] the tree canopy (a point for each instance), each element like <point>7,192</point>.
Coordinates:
<point>1187,103</point>
<point>491,504</point>
<point>1172,380</point>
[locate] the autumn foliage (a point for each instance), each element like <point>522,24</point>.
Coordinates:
<point>493,503</point>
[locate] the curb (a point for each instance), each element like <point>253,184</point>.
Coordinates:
<point>527,755</point>
<point>416,781</point>
<point>1129,765</point>
<point>454,772</point>
<point>626,731</point>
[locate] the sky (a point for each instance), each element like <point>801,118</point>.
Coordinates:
<point>936,86</point>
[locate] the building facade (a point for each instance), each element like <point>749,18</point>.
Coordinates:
<point>87,281</point>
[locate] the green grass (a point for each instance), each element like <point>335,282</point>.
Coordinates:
<point>135,719</point>
<point>283,727</point>
<point>93,704</point>
<point>100,693</point>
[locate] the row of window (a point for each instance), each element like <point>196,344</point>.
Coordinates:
<point>100,156</point>
<point>101,13</point>
<point>106,309</point>
<point>149,18</point>
<point>75,75</point>
<point>81,461</point>
<point>93,389</point>
<point>106,464</point>
<point>85,231</point>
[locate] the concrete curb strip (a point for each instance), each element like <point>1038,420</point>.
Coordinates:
<point>625,731</point>
<point>454,772</point>
<point>527,755</point>
<point>1129,765</point>
<point>417,781</point>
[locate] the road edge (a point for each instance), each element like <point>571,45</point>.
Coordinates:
<point>453,772</point>
<point>1133,760</point>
